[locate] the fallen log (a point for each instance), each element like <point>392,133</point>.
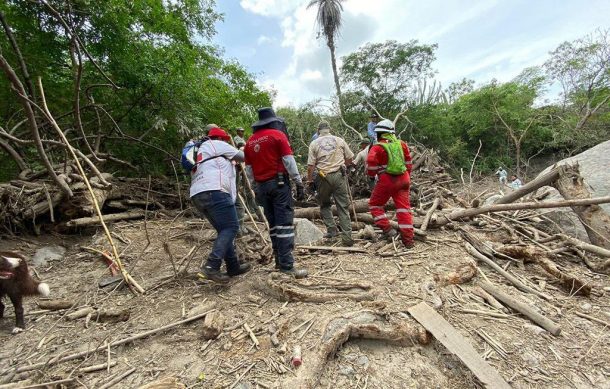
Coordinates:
<point>361,325</point>
<point>333,248</point>
<point>599,251</point>
<point>522,308</point>
<point>359,205</point>
<point>458,214</point>
<point>435,205</point>
<point>419,234</point>
<point>95,220</point>
<point>594,218</point>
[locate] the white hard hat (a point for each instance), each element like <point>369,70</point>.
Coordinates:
<point>385,126</point>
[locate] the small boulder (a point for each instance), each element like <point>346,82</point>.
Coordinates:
<point>306,232</point>
<point>47,254</point>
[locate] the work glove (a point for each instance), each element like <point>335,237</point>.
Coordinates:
<point>300,192</point>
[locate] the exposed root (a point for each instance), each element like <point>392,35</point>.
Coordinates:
<point>532,254</point>
<point>292,290</point>
<point>363,325</point>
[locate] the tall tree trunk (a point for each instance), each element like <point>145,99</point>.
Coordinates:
<point>333,60</point>
<point>518,156</point>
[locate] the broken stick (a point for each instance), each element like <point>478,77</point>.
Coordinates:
<point>513,280</point>
<point>522,308</point>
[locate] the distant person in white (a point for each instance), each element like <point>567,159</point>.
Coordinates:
<point>502,175</point>
<point>515,183</point>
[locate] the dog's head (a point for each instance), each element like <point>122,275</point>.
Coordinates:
<point>7,266</point>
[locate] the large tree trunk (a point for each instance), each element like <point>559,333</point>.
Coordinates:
<point>469,212</point>
<point>361,206</point>
<point>593,217</point>
<point>333,60</point>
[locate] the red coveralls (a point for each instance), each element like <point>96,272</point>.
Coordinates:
<point>396,187</point>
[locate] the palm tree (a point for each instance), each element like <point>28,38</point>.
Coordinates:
<point>329,23</point>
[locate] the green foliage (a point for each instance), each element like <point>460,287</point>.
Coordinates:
<point>171,83</point>
<point>386,71</point>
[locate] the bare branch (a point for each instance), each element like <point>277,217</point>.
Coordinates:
<point>21,93</point>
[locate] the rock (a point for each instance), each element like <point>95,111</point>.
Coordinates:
<point>47,254</point>
<point>534,329</point>
<point>592,165</point>
<point>586,307</point>
<point>347,371</point>
<point>491,200</point>
<point>306,232</point>
<point>362,361</point>
<point>227,346</point>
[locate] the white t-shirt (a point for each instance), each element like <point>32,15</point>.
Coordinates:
<point>217,173</point>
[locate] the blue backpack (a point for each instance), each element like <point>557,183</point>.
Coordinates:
<point>189,156</point>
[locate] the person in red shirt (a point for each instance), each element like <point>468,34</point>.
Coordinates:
<point>390,161</point>
<point>271,167</point>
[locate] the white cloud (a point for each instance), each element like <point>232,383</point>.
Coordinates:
<point>264,39</point>
<point>480,39</point>
<point>311,75</point>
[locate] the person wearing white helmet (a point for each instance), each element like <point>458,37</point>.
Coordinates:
<point>390,161</point>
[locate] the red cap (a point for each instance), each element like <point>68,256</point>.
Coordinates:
<point>219,133</point>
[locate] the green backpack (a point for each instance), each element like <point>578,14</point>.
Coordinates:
<point>396,157</point>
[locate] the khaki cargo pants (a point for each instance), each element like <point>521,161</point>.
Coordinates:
<point>335,185</point>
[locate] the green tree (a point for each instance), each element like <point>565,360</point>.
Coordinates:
<point>386,72</point>
<point>329,21</point>
<point>506,108</point>
<point>129,81</point>
<point>582,68</point>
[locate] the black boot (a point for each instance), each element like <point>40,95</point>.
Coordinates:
<point>243,267</point>
<point>214,275</point>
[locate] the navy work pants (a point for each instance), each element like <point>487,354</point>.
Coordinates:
<point>218,207</point>
<point>277,203</point>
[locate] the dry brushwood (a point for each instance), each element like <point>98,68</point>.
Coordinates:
<point>568,282</point>
<point>286,288</point>
<point>362,324</point>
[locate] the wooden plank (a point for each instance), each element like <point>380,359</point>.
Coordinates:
<point>458,345</point>
<point>332,248</point>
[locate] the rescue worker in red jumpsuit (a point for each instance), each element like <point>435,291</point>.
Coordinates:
<point>390,161</point>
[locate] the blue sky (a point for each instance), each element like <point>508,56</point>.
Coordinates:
<point>479,39</point>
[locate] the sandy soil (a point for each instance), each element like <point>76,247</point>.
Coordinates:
<point>525,355</point>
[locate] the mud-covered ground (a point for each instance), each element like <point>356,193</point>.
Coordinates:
<point>524,354</point>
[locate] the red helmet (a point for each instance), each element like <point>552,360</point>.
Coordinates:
<point>219,133</point>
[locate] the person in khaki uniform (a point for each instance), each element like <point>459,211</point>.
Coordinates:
<point>329,155</point>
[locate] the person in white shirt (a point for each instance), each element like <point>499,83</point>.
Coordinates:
<point>515,183</point>
<point>213,192</point>
<point>502,175</point>
<point>365,147</point>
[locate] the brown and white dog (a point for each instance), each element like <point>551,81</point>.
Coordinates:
<point>16,283</point>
